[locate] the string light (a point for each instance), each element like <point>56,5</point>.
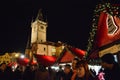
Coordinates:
<point>107,8</point>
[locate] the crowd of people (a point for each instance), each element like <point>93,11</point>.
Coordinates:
<point>77,70</point>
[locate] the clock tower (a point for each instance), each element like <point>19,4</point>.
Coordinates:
<point>38,34</point>
<point>38,44</point>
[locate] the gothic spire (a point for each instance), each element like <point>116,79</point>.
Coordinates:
<point>28,45</point>
<point>39,15</point>
<point>46,20</point>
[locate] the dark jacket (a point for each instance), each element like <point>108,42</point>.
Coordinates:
<point>67,76</point>
<point>42,75</point>
<point>113,74</point>
<point>59,75</point>
<point>89,78</point>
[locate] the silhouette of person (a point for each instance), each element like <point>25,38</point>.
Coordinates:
<point>111,68</point>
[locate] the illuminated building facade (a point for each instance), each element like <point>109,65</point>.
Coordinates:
<point>38,43</point>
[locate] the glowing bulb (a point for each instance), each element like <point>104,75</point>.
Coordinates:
<point>22,56</point>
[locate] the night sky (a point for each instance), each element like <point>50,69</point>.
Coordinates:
<point>69,21</point>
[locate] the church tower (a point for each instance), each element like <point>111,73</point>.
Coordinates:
<point>39,30</point>
<point>38,43</point>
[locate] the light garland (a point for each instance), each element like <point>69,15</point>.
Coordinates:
<point>106,7</point>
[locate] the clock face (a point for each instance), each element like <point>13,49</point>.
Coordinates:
<point>42,27</point>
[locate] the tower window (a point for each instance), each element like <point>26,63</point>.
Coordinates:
<point>44,49</point>
<point>41,40</point>
<point>42,27</point>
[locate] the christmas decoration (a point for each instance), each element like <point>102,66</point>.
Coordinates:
<point>108,8</point>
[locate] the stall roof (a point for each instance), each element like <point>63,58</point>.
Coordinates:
<point>69,53</point>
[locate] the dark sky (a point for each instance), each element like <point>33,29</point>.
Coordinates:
<point>69,21</point>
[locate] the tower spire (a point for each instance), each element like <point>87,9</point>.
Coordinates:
<point>39,15</point>
<point>28,46</point>
<point>46,20</point>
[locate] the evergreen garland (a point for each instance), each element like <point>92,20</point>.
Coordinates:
<point>107,8</point>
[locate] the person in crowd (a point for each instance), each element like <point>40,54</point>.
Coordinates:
<point>42,73</point>
<point>52,73</point>
<point>2,71</point>
<point>74,61</point>
<point>29,73</point>
<point>9,73</point>
<point>111,67</point>
<point>59,73</point>
<point>19,73</point>
<point>83,72</point>
<point>67,74</point>
<point>6,72</point>
<point>101,74</point>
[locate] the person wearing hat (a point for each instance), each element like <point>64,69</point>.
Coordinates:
<point>67,72</point>
<point>111,67</point>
